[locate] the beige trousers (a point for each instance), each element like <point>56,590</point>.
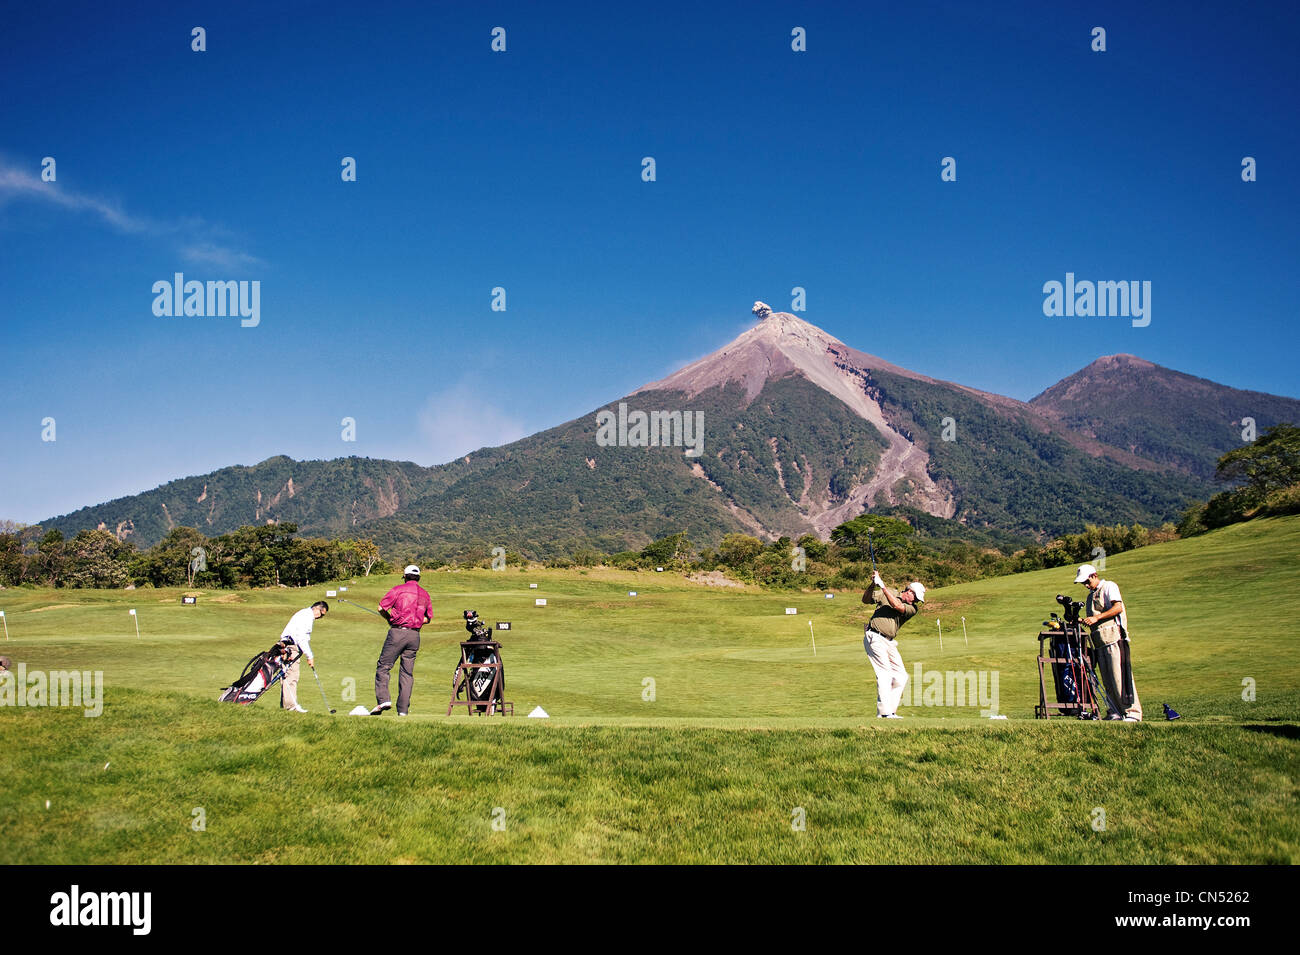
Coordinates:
<point>289,687</point>
<point>1117,675</point>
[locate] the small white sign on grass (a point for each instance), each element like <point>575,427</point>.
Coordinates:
<point>540,602</point>
<point>331,593</point>
<point>791,610</point>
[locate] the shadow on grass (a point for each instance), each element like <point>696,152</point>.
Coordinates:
<point>1286,730</point>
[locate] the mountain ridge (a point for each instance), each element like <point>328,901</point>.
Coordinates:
<point>803,432</point>
<point>1129,402</point>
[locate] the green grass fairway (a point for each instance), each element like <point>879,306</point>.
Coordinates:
<point>747,732</point>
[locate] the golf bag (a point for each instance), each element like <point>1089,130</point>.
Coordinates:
<point>477,682</point>
<point>260,674</point>
<point>1076,680</point>
<point>1067,675</point>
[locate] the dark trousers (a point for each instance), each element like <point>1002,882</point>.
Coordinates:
<point>403,643</point>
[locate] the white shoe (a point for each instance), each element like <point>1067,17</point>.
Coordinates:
<point>297,709</point>
<point>890,716</point>
<point>1132,719</point>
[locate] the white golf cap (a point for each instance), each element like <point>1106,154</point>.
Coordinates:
<point>411,569</point>
<point>1085,571</point>
<point>918,589</point>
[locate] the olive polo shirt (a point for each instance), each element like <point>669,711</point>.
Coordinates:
<point>886,620</point>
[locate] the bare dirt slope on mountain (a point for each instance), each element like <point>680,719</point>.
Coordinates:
<point>782,344</point>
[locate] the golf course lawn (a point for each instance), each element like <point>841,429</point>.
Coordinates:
<point>688,724</point>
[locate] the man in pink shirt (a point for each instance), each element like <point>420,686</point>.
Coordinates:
<point>407,608</point>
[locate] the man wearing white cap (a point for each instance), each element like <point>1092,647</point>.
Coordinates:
<point>1105,614</point>
<point>880,641</point>
<point>407,608</point>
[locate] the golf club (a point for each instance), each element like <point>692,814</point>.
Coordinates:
<point>872,550</point>
<point>344,600</point>
<point>322,691</point>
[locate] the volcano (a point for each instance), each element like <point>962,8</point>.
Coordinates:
<point>797,432</point>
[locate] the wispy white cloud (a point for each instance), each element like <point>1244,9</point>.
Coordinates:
<point>198,242</point>
<point>208,253</point>
<point>457,420</point>
<point>18,184</point>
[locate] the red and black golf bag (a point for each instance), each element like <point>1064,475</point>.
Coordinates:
<point>261,673</point>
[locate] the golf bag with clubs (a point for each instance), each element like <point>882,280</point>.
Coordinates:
<point>477,682</point>
<point>1066,675</point>
<point>260,674</point>
<point>1076,679</point>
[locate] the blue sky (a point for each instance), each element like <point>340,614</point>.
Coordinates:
<point>522,169</point>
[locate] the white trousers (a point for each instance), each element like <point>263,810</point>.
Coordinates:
<point>891,676</point>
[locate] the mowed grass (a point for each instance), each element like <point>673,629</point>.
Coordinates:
<point>747,732</point>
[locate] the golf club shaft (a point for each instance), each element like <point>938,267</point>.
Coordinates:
<point>1098,688</point>
<point>322,690</point>
<point>344,600</point>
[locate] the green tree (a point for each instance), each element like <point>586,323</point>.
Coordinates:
<point>11,558</point>
<point>814,547</point>
<point>1270,464</point>
<point>739,550</point>
<point>586,556</point>
<point>1267,467</point>
<point>674,551</point>
<point>96,559</point>
<point>258,555</point>
<point>51,557</point>
<point>888,535</point>
<point>366,555</point>
<point>173,561</point>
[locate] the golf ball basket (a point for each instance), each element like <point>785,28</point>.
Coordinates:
<point>1063,648</point>
<point>480,675</point>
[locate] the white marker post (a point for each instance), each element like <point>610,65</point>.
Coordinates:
<point>814,637</point>
<point>939,623</point>
<point>6,623</point>
<point>963,631</point>
<point>137,623</point>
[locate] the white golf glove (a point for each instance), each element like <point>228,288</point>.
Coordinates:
<point>875,579</point>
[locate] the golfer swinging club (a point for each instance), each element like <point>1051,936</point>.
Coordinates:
<point>407,608</point>
<point>880,640</point>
